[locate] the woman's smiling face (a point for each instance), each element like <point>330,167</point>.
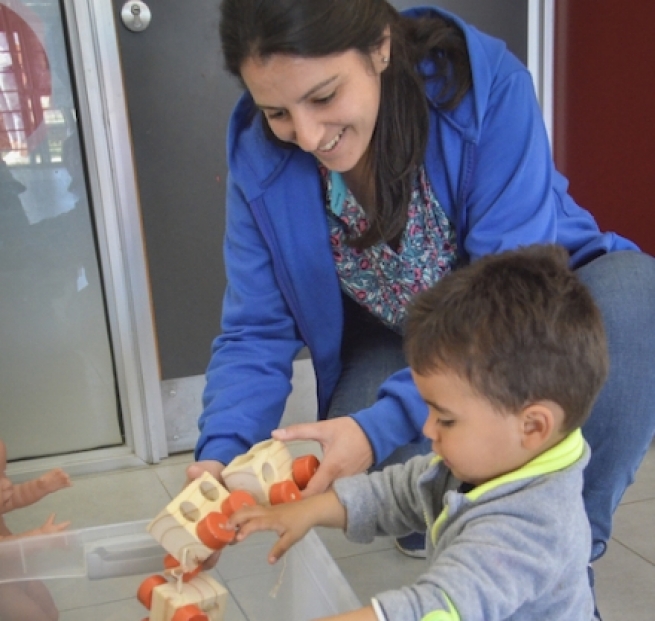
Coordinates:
<point>327,106</point>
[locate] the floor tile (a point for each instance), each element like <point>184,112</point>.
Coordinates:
<point>634,528</point>
<point>172,474</point>
<point>644,486</point>
<point>624,586</point>
<point>96,500</point>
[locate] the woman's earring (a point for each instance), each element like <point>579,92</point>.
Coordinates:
<point>385,59</point>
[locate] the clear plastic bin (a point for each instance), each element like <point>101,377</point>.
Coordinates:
<point>94,574</point>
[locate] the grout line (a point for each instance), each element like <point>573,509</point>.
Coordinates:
<point>629,549</point>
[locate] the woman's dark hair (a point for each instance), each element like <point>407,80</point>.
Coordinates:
<point>315,28</point>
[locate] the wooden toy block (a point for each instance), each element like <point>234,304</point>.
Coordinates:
<point>256,471</point>
<point>200,599</point>
<point>190,526</point>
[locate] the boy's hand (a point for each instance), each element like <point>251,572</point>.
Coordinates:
<point>291,521</point>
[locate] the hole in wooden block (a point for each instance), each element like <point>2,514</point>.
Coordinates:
<point>189,511</point>
<point>268,473</point>
<point>209,490</point>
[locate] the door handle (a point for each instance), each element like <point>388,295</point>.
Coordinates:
<point>136,15</point>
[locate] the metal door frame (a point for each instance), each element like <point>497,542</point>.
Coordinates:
<point>541,55</point>
<point>102,114</point>
<point>113,188</point>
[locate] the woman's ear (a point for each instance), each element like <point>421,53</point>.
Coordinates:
<point>539,422</point>
<point>382,56</point>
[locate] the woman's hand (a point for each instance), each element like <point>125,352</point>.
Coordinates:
<point>197,469</point>
<point>346,449</point>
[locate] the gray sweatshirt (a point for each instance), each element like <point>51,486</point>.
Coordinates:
<point>515,548</point>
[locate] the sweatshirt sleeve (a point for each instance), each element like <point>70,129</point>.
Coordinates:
<point>403,411</point>
<point>251,364</point>
<point>384,502</point>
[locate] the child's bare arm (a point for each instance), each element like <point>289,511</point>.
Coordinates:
<point>291,521</point>
<point>25,494</point>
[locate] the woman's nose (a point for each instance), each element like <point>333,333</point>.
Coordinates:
<point>307,133</point>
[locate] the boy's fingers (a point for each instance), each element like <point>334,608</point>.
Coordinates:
<point>279,549</point>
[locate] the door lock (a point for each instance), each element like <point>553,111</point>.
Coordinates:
<point>136,15</point>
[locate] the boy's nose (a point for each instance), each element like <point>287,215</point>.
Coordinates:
<point>431,431</point>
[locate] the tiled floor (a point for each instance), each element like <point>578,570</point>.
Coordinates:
<point>625,576</point>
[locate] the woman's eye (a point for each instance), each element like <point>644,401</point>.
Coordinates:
<point>445,423</point>
<point>273,114</point>
<point>326,99</point>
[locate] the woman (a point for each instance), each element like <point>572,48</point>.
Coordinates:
<point>371,153</point>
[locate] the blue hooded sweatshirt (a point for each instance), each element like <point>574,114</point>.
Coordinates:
<point>490,165</point>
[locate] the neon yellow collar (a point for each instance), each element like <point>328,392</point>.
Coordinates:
<point>559,457</point>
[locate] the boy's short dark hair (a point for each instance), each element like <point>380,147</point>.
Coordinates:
<point>519,327</point>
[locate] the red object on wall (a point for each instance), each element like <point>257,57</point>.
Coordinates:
<point>604,111</point>
<point>24,80</point>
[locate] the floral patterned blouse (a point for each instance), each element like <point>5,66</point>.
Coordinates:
<point>380,278</point>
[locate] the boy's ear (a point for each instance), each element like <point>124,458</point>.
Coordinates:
<point>539,422</point>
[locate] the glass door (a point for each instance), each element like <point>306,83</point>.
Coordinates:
<point>58,387</point>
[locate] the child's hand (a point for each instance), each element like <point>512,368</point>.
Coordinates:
<point>291,521</point>
<point>54,480</point>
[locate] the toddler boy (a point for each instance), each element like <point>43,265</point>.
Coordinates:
<point>509,354</point>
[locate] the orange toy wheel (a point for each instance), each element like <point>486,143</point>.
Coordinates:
<point>144,594</point>
<point>171,563</point>
<point>303,469</point>
<point>212,531</point>
<point>236,500</point>
<point>285,491</point>
<point>191,612</point>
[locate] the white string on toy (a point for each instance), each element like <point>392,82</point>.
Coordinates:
<point>276,587</point>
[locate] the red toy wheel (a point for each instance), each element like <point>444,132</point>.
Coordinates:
<point>285,491</point>
<point>303,469</point>
<point>144,594</point>
<point>212,532</point>
<point>236,500</point>
<point>190,612</point>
